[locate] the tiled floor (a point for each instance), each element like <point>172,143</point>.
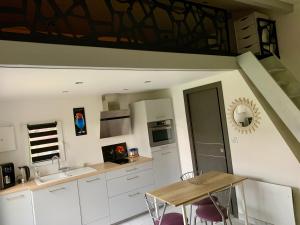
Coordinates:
<point>146,220</point>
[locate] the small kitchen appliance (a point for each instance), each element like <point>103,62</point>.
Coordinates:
<point>7,175</point>
<point>25,173</point>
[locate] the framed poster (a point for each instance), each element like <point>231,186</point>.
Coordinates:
<point>79,121</point>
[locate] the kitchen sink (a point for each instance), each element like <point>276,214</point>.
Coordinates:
<point>63,175</point>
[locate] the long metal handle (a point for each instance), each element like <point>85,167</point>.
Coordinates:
<point>92,180</point>
<point>166,153</point>
<point>131,170</point>
<point>135,194</point>
<point>132,178</point>
<point>15,197</point>
<point>58,189</point>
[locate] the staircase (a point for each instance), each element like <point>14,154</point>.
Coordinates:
<point>284,78</point>
<point>278,91</point>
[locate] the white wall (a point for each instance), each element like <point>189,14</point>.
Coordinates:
<point>79,150</point>
<point>288,31</point>
<point>262,155</point>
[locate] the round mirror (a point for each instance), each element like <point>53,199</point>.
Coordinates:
<point>244,115</point>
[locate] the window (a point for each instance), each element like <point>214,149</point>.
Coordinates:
<point>45,141</point>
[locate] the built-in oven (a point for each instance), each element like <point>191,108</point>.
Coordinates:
<point>161,132</point>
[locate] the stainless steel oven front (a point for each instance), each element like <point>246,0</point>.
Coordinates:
<point>161,132</point>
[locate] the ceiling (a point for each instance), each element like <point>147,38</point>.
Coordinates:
<point>28,83</point>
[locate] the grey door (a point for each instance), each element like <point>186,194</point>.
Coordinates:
<point>208,131</point>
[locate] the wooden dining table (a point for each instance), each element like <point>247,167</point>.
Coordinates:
<point>183,193</point>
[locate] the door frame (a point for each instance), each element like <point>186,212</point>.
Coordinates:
<point>218,86</point>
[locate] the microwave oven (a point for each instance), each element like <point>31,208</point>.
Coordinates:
<point>161,132</point>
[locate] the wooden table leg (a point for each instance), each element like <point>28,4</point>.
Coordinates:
<point>184,215</point>
<point>244,203</point>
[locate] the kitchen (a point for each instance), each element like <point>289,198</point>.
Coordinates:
<point>105,193</point>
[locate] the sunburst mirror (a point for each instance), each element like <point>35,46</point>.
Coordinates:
<point>244,115</point>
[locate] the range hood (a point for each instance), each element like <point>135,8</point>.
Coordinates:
<point>114,121</point>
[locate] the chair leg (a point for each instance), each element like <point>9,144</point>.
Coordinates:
<point>191,212</point>
<point>205,222</point>
<point>195,220</point>
<point>229,219</point>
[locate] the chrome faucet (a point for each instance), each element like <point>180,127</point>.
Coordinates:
<point>58,162</point>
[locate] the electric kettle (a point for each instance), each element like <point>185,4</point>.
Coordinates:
<point>25,173</point>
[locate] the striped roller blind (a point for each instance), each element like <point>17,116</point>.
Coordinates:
<point>44,141</point>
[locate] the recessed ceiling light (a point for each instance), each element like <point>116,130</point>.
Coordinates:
<point>65,92</point>
<point>79,82</point>
<point>147,81</point>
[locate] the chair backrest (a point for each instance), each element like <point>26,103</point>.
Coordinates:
<point>189,175</point>
<point>224,198</point>
<point>154,207</point>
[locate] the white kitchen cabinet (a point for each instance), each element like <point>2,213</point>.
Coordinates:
<point>57,205</point>
<point>93,200</point>
<point>128,204</point>
<point>166,166</point>
<point>16,209</point>
<point>159,109</point>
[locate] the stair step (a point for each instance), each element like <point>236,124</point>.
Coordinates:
<point>277,70</point>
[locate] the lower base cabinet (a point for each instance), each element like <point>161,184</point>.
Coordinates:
<point>93,200</point>
<point>57,205</point>
<point>127,205</point>
<point>16,209</point>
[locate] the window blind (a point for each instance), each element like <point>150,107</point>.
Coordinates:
<point>44,141</point>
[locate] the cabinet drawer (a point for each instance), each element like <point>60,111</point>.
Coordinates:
<point>247,40</point>
<point>130,182</point>
<point>129,170</point>
<point>255,49</point>
<point>245,21</point>
<point>127,205</point>
<point>246,31</point>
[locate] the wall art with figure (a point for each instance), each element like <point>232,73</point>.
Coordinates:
<point>79,121</point>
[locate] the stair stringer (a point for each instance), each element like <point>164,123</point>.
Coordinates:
<point>281,104</point>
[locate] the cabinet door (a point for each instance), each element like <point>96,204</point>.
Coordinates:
<point>16,209</point>
<point>159,109</point>
<point>166,167</point>
<point>93,198</point>
<point>57,205</point>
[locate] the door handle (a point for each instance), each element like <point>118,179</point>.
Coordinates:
<point>165,153</point>
<point>133,195</point>
<point>15,197</point>
<point>92,180</point>
<point>58,189</point>
<point>131,170</point>
<point>132,178</point>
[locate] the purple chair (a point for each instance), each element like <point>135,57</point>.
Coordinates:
<point>215,212</point>
<point>165,218</point>
<point>202,202</point>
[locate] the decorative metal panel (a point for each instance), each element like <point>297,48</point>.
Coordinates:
<point>161,25</point>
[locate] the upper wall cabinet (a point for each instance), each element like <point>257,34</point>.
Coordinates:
<point>7,138</point>
<point>159,109</point>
